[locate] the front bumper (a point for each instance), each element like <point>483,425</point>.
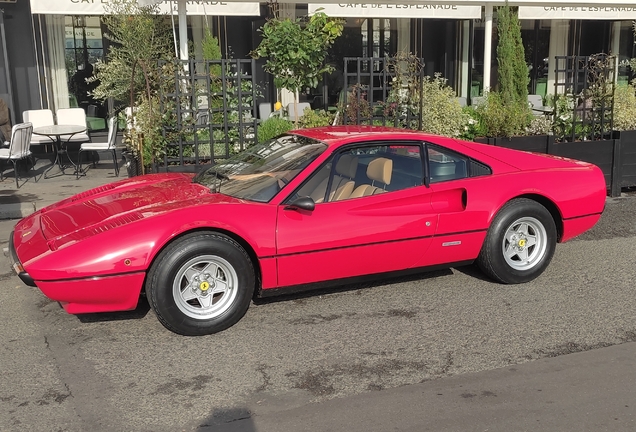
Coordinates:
<point>17,266</point>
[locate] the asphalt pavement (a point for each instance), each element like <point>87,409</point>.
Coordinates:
<point>575,388</point>
<point>585,391</point>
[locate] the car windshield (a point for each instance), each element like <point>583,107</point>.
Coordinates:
<point>260,172</point>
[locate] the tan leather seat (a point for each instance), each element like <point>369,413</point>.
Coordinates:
<point>379,170</point>
<point>343,182</point>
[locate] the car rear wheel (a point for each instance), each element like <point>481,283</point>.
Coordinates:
<point>201,284</point>
<point>520,242</point>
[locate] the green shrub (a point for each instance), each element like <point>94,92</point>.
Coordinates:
<point>357,106</point>
<point>540,126</point>
<point>625,107</point>
<point>441,112</point>
<point>272,127</point>
<point>503,119</point>
<point>315,118</point>
<point>474,126</point>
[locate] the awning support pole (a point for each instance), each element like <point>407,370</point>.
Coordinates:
<point>487,47</point>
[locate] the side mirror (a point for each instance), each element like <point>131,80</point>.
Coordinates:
<point>302,203</point>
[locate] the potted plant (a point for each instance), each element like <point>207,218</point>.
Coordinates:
<point>625,132</point>
<point>140,37</point>
<point>505,115</point>
<point>440,113</point>
<point>625,126</point>
<point>582,122</point>
<point>296,50</point>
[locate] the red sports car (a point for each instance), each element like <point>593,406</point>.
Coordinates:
<point>309,208</point>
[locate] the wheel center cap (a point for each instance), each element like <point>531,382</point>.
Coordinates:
<point>522,243</point>
<point>204,286</point>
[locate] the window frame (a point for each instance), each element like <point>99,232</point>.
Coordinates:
<point>445,150</point>
<point>337,153</point>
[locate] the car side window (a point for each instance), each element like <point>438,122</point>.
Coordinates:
<point>364,171</point>
<point>445,165</point>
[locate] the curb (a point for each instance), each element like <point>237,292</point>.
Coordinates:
<point>17,210</point>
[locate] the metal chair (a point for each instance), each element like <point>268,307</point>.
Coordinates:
<point>109,145</point>
<point>478,100</point>
<point>73,116</point>
<point>39,118</point>
<point>19,148</point>
<point>291,110</point>
<point>264,110</point>
<point>535,100</point>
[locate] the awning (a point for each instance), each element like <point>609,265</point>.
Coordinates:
<point>621,13</point>
<point>395,10</point>
<point>96,7</point>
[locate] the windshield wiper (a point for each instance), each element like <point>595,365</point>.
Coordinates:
<point>221,177</point>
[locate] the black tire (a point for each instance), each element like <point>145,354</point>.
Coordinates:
<point>216,291</point>
<point>507,254</point>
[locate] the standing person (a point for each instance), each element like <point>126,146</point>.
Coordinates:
<point>80,88</point>
<point>5,123</point>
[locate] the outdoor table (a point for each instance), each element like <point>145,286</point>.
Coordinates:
<point>55,134</point>
<point>545,110</point>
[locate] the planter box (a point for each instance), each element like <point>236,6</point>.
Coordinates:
<point>531,143</point>
<point>627,157</point>
<point>484,140</point>
<point>132,164</point>
<point>600,153</point>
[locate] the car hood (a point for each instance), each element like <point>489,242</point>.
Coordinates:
<point>119,203</point>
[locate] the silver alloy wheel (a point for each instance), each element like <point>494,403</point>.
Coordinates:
<point>205,287</point>
<point>524,243</point>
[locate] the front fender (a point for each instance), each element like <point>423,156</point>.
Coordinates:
<point>132,247</point>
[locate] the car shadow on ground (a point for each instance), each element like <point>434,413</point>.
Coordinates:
<point>474,271</point>
<point>228,420</point>
<point>139,312</point>
<point>378,280</point>
<point>143,307</point>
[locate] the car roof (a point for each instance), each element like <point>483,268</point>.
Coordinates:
<point>337,135</point>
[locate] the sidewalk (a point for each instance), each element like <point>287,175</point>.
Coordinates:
<point>36,192</point>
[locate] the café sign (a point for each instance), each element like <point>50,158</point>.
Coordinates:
<point>578,12</point>
<point>96,7</point>
<point>396,10</point>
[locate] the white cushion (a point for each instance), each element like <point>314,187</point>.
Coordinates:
<point>95,146</point>
<point>39,139</point>
<point>4,154</point>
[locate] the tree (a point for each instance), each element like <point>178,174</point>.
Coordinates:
<point>140,38</point>
<point>513,73</point>
<point>296,52</point>
<point>506,111</point>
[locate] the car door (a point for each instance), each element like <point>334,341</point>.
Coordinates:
<point>458,187</point>
<point>348,236</point>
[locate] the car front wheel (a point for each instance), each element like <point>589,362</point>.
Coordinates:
<point>201,284</point>
<point>520,242</point>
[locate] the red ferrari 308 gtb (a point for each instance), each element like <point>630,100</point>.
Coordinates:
<point>309,208</point>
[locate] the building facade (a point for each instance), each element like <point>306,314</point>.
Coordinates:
<point>49,47</point>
